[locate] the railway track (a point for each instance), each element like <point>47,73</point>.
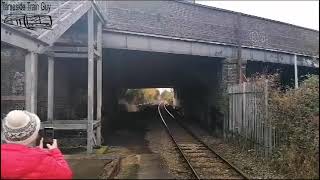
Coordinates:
<point>201,159</point>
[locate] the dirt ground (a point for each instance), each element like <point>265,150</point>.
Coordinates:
<point>146,150</point>
<point>161,143</point>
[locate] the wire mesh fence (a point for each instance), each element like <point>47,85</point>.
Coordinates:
<point>12,80</point>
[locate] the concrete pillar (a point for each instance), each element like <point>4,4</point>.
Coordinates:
<point>31,81</point>
<point>50,88</point>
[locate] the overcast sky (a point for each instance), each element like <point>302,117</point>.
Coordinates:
<point>301,13</point>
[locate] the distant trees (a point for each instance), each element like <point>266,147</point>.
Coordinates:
<point>134,96</point>
<point>140,96</point>
<point>148,95</point>
<point>151,95</point>
<point>167,96</point>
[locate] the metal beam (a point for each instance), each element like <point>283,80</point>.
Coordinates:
<point>50,88</point>
<point>31,79</point>
<point>295,72</point>
<point>90,79</point>
<point>140,42</point>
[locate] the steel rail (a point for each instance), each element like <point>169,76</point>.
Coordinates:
<point>180,150</point>
<point>209,148</point>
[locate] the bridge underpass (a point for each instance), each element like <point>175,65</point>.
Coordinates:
<point>196,80</point>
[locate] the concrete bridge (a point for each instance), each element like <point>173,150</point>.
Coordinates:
<point>98,49</point>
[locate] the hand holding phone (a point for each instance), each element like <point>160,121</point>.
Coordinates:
<point>53,146</point>
<point>48,137</point>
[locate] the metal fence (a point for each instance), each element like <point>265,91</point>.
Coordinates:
<point>247,122</point>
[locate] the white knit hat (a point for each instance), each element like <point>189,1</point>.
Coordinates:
<point>21,127</point>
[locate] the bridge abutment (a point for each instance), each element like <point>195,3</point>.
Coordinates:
<point>218,101</point>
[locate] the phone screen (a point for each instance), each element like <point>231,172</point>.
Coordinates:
<point>48,136</point>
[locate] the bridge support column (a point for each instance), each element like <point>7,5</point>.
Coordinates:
<point>230,75</point>
<point>230,71</point>
<point>176,100</point>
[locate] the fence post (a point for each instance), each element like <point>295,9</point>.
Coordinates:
<point>268,121</point>
<point>255,119</point>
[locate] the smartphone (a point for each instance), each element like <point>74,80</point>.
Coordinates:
<point>48,136</point>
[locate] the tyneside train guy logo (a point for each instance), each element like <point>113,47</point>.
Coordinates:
<point>26,14</point>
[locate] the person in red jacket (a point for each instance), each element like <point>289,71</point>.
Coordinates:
<point>21,158</point>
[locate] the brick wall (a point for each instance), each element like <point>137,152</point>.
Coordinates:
<point>185,20</point>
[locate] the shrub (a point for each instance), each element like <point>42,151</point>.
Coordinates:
<point>295,114</point>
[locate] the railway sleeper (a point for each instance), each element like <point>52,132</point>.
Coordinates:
<point>191,145</point>
<point>213,173</point>
<point>196,149</point>
<point>197,155</point>
<point>218,177</point>
<point>202,159</point>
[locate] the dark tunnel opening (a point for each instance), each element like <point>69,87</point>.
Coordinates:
<point>195,79</point>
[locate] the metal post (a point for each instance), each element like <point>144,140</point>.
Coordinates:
<point>99,81</point>
<point>50,88</point>
<point>31,79</point>
<point>295,72</point>
<point>90,81</point>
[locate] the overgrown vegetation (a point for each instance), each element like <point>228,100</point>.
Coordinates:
<point>149,95</point>
<point>295,114</point>
<point>140,96</point>
<point>167,96</point>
